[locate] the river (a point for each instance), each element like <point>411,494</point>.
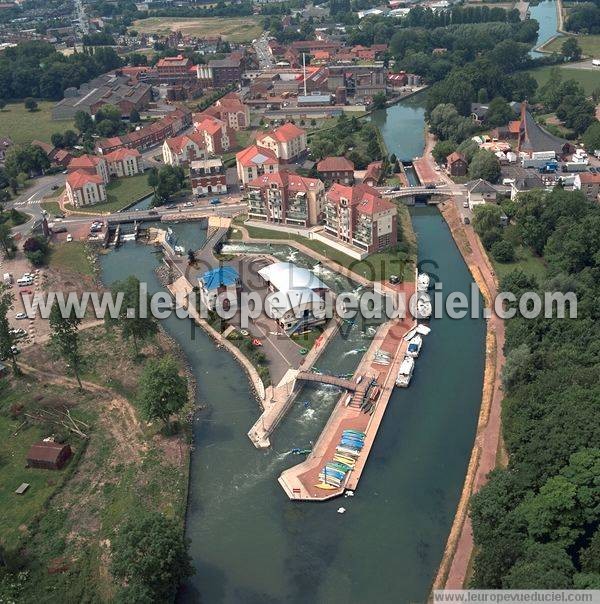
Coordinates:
<point>248,541</point>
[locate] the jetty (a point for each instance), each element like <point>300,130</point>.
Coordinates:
<point>376,385</point>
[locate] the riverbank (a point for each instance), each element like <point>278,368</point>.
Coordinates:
<point>454,567</point>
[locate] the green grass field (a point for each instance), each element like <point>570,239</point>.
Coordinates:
<point>23,126</point>
<point>234,29</point>
<point>590,45</point>
<point>73,257</point>
<point>526,261</point>
<point>588,78</point>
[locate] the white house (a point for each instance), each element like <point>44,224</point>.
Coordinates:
<point>479,192</point>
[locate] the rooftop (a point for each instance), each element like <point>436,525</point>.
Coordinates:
<point>256,156</point>
<point>286,276</point>
<point>335,164</point>
<point>217,277</point>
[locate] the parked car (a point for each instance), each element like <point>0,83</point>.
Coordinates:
<point>188,204</point>
<point>171,206</point>
<point>69,237</point>
<point>20,315</point>
<point>467,221</point>
<point>153,213</point>
<point>430,186</point>
<point>215,201</point>
<point>465,204</point>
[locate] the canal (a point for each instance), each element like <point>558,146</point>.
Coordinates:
<point>248,541</point>
<point>545,14</point>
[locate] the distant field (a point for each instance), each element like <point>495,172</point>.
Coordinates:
<point>590,45</point>
<point>234,29</point>
<point>588,78</point>
<point>24,126</point>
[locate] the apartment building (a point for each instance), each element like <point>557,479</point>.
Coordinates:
<point>286,198</point>
<point>359,217</point>
<point>254,161</point>
<point>124,162</point>
<point>208,176</point>
<point>181,150</point>
<point>336,170</point>
<point>288,142</point>
<point>216,135</point>
<point>90,164</point>
<point>84,188</point>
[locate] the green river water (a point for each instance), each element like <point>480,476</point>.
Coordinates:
<point>248,541</point>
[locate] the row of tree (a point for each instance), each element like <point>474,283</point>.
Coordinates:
<point>536,522</point>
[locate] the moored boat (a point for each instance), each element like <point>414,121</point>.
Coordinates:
<point>414,346</point>
<point>405,372</point>
<point>326,487</point>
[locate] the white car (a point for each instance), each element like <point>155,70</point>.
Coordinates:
<point>20,315</point>
<point>465,204</point>
<point>188,204</point>
<point>69,237</point>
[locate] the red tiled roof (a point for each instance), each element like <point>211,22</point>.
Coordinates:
<point>335,164</point>
<point>121,154</point>
<point>285,133</point>
<point>293,181</point>
<point>588,178</point>
<point>253,156</point>
<point>455,156</point>
<point>210,124</point>
<point>373,170</point>
<point>373,204</point>
<point>79,178</point>
<point>354,194</point>
<point>84,162</point>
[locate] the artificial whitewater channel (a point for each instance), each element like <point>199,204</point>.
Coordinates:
<point>248,541</point>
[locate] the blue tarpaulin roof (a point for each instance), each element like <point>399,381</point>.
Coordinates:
<point>224,275</point>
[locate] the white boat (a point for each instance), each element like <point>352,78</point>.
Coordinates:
<point>414,347</point>
<point>423,282</point>
<point>405,372</point>
<point>421,309</point>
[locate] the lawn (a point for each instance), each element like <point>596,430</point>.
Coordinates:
<point>121,193</point>
<point>377,267</point>
<point>73,257</point>
<point>23,126</point>
<point>590,45</point>
<point>307,340</point>
<point>51,207</point>
<point>588,78</point>
<point>531,265</point>
<point>234,29</point>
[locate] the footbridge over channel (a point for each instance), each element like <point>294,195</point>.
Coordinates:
<point>409,194</point>
<point>323,378</point>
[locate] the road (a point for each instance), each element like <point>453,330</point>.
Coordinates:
<point>263,53</point>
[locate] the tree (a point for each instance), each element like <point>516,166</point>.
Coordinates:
<point>134,325</point>
<point>36,250</point>
<point>379,100</point>
<point>503,251</point>
<point>134,116</point>
<point>30,104</point>
<point>485,165</point>
<point>84,122</point>
<point>153,179</point>
<point>163,391</point>
<point>486,217</point>
<point>571,50</point>
<point>591,138</point>
<point>57,139</point>
<point>499,112</point>
<point>442,149</point>
<point>6,241</point>
<point>70,138</point>
<point>2,104</point>
<point>65,338</point>
<point>170,180</point>
<point>150,556</point>
<point>7,339</point>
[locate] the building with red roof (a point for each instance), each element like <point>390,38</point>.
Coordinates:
<point>373,173</point>
<point>288,142</point>
<point>173,67</point>
<point>359,217</point>
<point>208,176</point>
<point>336,170</point>
<point>589,184</point>
<point>90,164</point>
<point>124,162</point>
<point>231,110</point>
<point>216,135</point>
<point>181,150</point>
<point>254,161</point>
<point>286,198</point>
<point>85,188</point>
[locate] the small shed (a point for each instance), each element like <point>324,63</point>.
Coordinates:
<point>48,455</point>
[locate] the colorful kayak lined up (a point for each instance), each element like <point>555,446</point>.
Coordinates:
<point>333,474</point>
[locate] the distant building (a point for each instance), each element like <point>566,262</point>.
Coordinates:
<point>533,138</point>
<point>254,161</point>
<point>456,164</point>
<point>288,142</point>
<point>173,67</point>
<point>360,217</point>
<point>224,282</point>
<point>526,183</point>
<point>180,150</point>
<point>373,173</point>
<point>208,176</point>
<point>225,71</point>
<point>479,192</point>
<point>216,135</point>
<point>124,162</point>
<point>336,170</point>
<point>588,184</point>
<point>108,89</point>
<point>286,198</point>
<point>231,110</point>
